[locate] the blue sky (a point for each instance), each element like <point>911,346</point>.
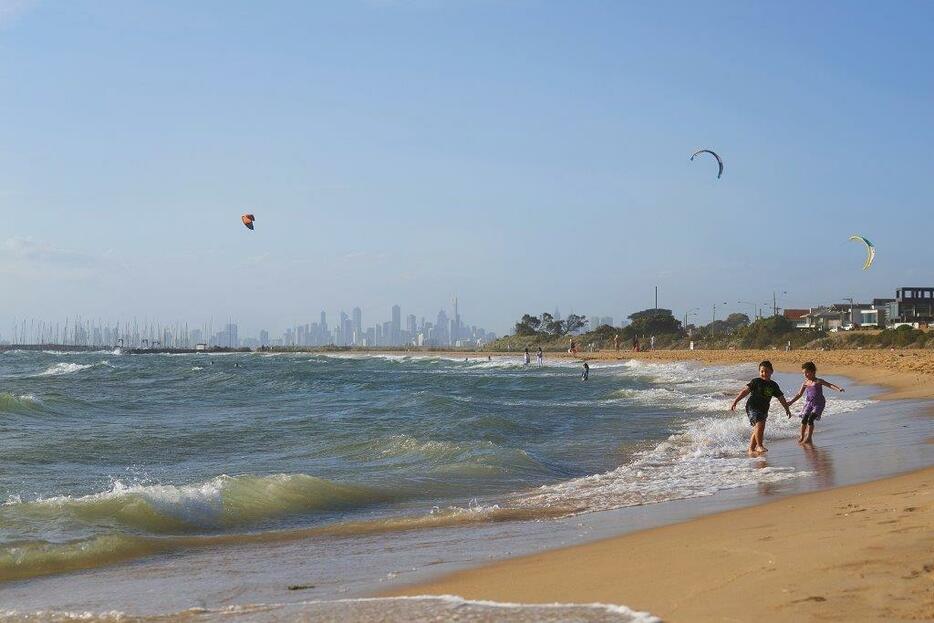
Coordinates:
<point>521,154</point>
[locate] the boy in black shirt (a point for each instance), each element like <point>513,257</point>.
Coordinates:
<point>760,391</point>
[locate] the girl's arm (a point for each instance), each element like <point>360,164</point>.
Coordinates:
<point>741,395</point>
<point>798,395</point>
<point>785,404</point>
<point>831,385</point>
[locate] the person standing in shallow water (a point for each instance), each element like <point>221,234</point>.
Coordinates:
<point>527,358</point>
<point>760,390</point>
<point>541,357</point>
<point>586,373</point>
<point>813,391</point>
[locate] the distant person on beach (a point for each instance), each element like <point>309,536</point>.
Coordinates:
<point>586,373</point>
<point>760,390</point>
<point>528,357</point>
<point>635,344</point>
<point>541,357</point>
<point>616,341</point>
<point>572,349</point>
<point>813,391</point>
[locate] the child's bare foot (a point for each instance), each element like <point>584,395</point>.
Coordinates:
<point>761,449</point>
<point>752,452</point>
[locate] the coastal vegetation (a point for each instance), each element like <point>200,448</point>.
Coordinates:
<point>735,331</point>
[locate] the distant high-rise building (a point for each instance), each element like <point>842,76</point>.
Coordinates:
<point>346,330</point>
<point>263,337</point>
<point>411,324</point>
<point>441,335</point>
<point>357,314</point>
<point>455,324</point>
<point>396,325</point>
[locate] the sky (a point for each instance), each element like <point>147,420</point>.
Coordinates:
<point>519,154</point>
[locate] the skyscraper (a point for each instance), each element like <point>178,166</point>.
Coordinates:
<point>396,326</point>
<point>357,315</point>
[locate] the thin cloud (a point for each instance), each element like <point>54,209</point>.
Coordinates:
<point>12,9</point>
<point>27,250</point>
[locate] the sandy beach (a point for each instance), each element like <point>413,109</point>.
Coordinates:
<point>854,553</point>
<point>860,552</point>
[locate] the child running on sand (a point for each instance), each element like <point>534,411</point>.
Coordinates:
<point>760,390</point>
<point>813,391</point>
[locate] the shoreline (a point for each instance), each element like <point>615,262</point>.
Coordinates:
<point>857,552</point>
<point>796,558</point>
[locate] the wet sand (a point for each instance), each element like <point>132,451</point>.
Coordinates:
<point>859,552</point>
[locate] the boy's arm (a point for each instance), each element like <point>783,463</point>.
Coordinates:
<point>739,397</point>
<point>781,399</point>
<point>831,385</point>
<point>798,395</point>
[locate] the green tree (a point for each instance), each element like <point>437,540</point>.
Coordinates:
<point>654,322</point>
<point>528,325</point>
<point>552,326</point>
<point>574,323</point>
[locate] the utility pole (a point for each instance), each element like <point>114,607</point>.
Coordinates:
<point>851,310</point>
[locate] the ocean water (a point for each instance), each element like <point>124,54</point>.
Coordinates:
<point>110,458</point>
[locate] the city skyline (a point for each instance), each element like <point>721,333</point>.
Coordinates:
<point>343,330</point>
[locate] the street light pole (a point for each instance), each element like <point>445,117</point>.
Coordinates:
<point>751,304</point>
<point>715,310</point>
<point>775,302</point>
<point>851,311</point>
<point>690,312</point>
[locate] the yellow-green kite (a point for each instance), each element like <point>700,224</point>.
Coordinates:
<point>870,250</point>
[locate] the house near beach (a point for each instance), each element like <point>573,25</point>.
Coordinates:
<point>912,306</point>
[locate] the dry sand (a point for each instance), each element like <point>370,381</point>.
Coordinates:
<point>858,553</point>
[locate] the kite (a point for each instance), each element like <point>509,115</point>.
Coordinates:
<point>248,220</point>
<point>870,250</point>
<point>707,151</point>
